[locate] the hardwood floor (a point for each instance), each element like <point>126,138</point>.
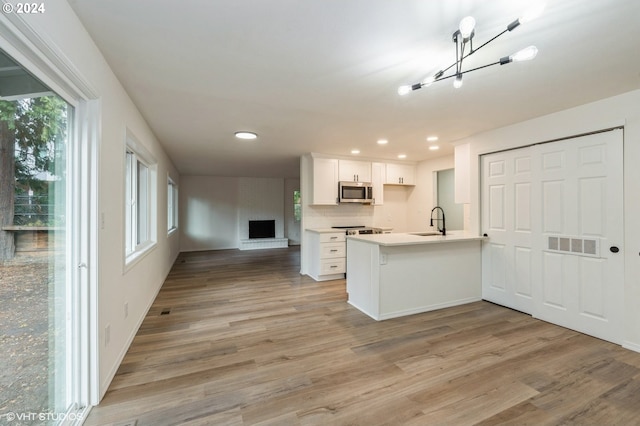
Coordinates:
<point>248,341</point>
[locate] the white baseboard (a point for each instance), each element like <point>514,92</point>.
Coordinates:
<point>631,346</point>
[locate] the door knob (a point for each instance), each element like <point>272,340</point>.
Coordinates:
<point>614,249</point>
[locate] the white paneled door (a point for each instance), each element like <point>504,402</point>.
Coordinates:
<point>553,214</point>
<point>506,213</point>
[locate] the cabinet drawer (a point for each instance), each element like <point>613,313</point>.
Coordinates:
<point>331,250</point>
<point>332,266</point>
<point>333,238</point>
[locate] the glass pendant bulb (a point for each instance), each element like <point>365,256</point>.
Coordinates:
<point>403,90</point>
<point>466,26</point>
<point>526,54</point>
<point>457,83</point>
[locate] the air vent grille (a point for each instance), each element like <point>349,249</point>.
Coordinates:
<point>574,245</point>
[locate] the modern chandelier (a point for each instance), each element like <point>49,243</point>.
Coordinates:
<point>463,38</point>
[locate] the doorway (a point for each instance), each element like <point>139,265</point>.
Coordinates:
<point>445,197</point>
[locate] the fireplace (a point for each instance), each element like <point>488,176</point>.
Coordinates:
<point>262,229</point>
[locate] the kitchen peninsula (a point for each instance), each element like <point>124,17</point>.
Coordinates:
<point>393,275</point>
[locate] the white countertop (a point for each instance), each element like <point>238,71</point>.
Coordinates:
<point>327,230</point>
<point>407,238</point>
<point>335,230</point>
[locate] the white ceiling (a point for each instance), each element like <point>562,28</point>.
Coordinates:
<point>321,75</point>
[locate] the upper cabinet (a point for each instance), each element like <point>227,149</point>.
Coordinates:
<point>325,181</point>
<point>378,177</point>
<point>354,171</point>
<point>400,174</point>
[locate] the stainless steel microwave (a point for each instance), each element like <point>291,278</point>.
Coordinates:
<point>355,192</point>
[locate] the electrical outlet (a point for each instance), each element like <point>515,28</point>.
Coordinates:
<point>126,309</point>
<point>107,334</point>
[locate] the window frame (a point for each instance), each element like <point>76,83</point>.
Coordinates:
<point>172,206</point>
<point>140,215</point>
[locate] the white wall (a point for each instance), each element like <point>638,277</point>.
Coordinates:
<point>215,211</point>
<point>622,110</point>
<point>138,284</point>
<point>422,199</point>
<point>208,213</point>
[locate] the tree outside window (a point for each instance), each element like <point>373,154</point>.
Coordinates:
<point>297,206</point>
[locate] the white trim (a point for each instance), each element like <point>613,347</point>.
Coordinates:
<point>133,250</point>
<point>631,346</point>
<point>429,308</point>
<point>45,60</point>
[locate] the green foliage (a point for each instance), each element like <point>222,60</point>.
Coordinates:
<point>40,126</point>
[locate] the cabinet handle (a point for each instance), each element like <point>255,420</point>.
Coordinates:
<point>334,238</point>
<point>333,250</point>
<point>333,266</point>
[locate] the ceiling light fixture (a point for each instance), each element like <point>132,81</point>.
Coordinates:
<point>355,151</point>
<point>434,147</point>
<point>382,141</point>
<point>432,138</point>
<point>402,156</point>
<point>463,38</point>
<point>246,135</point>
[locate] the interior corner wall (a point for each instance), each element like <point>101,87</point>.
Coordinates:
<point>215,211</point>
<point>60,31</point>
<point>208,211</point>
<point>621,110</point>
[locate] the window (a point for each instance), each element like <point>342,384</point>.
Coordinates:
<point>140,206</point>
<point>172,206</point>
<point>297,206</point>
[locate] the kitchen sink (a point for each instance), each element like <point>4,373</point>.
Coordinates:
<point>425,234</point>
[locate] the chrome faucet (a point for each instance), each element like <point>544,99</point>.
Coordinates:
<point>444,229</point>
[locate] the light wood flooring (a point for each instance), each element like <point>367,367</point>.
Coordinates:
<point>249,341</point>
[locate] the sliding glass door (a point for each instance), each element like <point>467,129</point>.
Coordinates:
<point>39,373</point>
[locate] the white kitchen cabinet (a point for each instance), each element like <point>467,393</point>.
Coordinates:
<point>324,181</point>
<point>354,171</point>
<point>400,174</point>
<point>327,255</point>
<point>378,177</point>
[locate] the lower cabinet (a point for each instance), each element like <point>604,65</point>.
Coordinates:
<point>327,255</point>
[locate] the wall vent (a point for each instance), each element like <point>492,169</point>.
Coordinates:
<point>574,245</point>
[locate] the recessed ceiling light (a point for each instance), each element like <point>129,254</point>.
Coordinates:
<point>355,151</point>
<point>432,138</point>
<point>402,156</point>
<point>246,135</point>
<point>434,147</point>
<point>382,141</point>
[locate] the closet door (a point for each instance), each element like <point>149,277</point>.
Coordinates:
<point>506,219</point>
<point>581,279</point>
<point>554,214</point>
